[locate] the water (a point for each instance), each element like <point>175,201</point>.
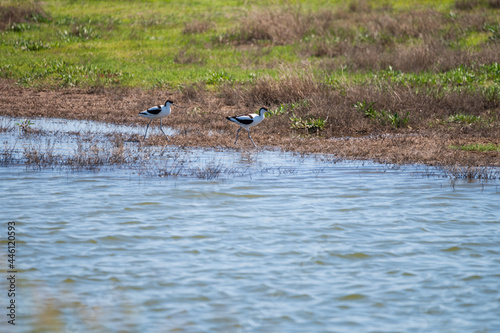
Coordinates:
<point>83,127</point>
<point>283,244</point>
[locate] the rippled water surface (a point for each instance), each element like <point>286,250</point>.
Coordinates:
<point>285,244</point>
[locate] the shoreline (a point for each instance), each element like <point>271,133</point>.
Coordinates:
<point>204,125</point>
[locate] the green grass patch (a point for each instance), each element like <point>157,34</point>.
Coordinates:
<point>385,117</point>
<point>287,108</point>
<point>478,147</point>
<point>309,124</point>
<point>463,118</point>
<point>152,44</point>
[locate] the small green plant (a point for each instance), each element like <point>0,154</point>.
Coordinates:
<point>24,125</point>
<point>463,118</point>
<point>6,70</point>
<point>279,110</point>
<point>28,45</point>
<point>460,76</point>
<point>217,77</point>
<point>395,119</point>
<point>495,31</point>
<point>310,124</point>
<point>478,147</point>
<point>159,83</point>
<point>19,27</point>
<point>72,76</point>
<point>367,109</point>
<point>289,107</point>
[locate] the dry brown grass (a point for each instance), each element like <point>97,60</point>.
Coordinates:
<point>431,56</point>
<point>196,27</point>
<point>358,37</point>
<point>187,56</point>
<point>275,26</point>
<point>290,86</point>
<point>404,41</point>
<point>494,4</point>
<point>14,13</point>
<point>471,4</point>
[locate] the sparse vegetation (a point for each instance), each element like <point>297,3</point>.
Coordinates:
<point>24,125</point>
<point>478,147</point>
<point>18,16</point>
<point>384,117</point>
<point>310,124</point>
<point>463,118</point>
<point>468,172</point>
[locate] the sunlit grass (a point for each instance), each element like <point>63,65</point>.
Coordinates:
<point>478,147</point>
<point>178,43</point>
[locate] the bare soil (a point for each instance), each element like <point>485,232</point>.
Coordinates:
<point>201,123</point>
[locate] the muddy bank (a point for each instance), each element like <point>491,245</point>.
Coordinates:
<point>202,123</point>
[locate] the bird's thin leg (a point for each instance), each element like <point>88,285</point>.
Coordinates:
<point>147,128</point>
<point>251,138</point>
<point>237,135</point>
<point>162,131</point>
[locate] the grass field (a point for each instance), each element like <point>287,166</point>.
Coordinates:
<point>324,68</point>
<point>171,44</point>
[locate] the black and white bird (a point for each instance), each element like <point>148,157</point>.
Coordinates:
<point>248,120</point>
<point>157,112</point>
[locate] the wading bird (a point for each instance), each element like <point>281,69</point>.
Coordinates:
<point>157,112</point>
<point>248,120</point>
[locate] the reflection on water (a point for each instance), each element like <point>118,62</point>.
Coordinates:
<point>84,127</point>
<point>284,244</point>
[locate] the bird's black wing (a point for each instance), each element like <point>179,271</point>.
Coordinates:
<point>154,110</point>
<point>246,119</point>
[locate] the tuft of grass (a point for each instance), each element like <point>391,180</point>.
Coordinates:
<point>472,4</point>
<point>196,27</point>
<point>7,155</point>
<point>278,111</point>
<point>286,108</point>
<point>478,147</point>
<point>189,57</point>
<point>14,16</point>
<point>24,125</point>
<point>463,118</point>
<point>466,4</point>
<point>40,157</point>
<point>211,170</point>
<point>61,74</point>
<point>394,119</point>
<point>217,77</point>
<point>385,117</point>
<point>469,172</point>
<point>367,108</point>
<point>310,124</point>
<point>30,45</point>
<point>494,4</point>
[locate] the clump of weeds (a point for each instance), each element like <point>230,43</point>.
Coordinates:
<point>7,156</point>
<point>309,124</point>
<point>463,118</point>
<point>470,172</point>
<point>384,117</point>
<point>478,147</point>
<point>25,125</point>
<point>38,156</point>
<point>17,15</point>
